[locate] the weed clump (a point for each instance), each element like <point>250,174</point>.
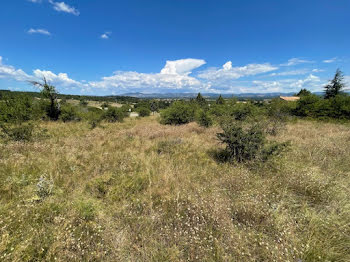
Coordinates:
<point>44,187</point>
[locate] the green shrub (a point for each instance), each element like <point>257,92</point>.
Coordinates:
<point>246,142</point>
<point>69,113</point>
<point>203,119</point>
<point>20,132</point>
<point>143,111</point>
<point>177,114</point>
<point>114,114</point>
<point>241,111</point>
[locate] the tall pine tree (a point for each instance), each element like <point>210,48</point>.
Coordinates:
<point>335,86</point>
<point>201,100</point>
<point>220,101</point>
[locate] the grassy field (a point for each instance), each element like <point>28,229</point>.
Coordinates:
<point>140,191</point>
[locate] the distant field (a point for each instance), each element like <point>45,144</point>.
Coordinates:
<point>96,104</point>
<point>140,191</point>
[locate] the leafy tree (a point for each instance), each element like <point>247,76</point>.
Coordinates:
<point>220,101</point>
<point>49,91</point>
<point>304,92</point>
<point>335,86</point>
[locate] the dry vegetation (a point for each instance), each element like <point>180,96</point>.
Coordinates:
<point>140,191</point>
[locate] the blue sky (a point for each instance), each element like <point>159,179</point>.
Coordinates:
<point>107,47</point>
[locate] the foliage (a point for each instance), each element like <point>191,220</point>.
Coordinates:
<point>220,100</point>
<point>242,111</point>
<point>143,111</point>
<point>154,106</point>
<point>178,113</point>
<point>201,101</point>
<point>83,102</point>
<point>18,132</point>
<point>246,142</point>
<point>114,114</point>
<point>69,113</point>
<point>49,92</point>
<point>204,119</point>
<point>335,86</point>
<point>304,92</point>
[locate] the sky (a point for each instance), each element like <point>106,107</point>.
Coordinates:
<point>108,47</point>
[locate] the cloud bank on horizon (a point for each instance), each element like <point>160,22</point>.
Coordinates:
<point>184,75</point>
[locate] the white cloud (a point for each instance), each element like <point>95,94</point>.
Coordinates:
<point>228,72</point>
<point>311,82</point>
<point>174,76</point>
<point>35,1</point>
<point>182,66</point>
<point>296,61</point>
<point>291,73</point>
<point>332,60</point>
<point>39,31</point>
<point>63,7</point>
<point>106,35</point>
<point>317,70</point>
<point>10,72</point>
<point>60,79</point>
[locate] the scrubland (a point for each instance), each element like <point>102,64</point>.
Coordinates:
<point>141,191</point>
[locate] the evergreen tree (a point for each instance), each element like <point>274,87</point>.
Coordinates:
<point>154,106</point>
<point>304,92</point>
<point>220,101</point>
<point>335,86</point>
<point>201,100</point>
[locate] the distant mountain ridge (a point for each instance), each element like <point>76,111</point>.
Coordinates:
<point>212,95</point>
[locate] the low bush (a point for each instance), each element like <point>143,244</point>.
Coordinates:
<point>114,114</point>
<point>203,119</point>
<point>69,113</point>
<point>20,132</point>
<point>177,114</point>
<point>246,142</point>
<point>143,111</point>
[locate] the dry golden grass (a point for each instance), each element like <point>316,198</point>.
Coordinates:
<point>141,191</point>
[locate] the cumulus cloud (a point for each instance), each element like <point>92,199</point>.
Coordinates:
<point>10,72</point>
<point>329,61</point>
<point>60,79</point>
<point>311,82</point>
<point>174,76</point>
<point>182,66</point>
<point>228,72</point>
<point>296,61</point>
<point>39,31</point>
<point>63,7</point>
<point>106,35</point>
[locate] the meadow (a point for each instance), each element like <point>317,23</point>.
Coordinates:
<point>142,191</point>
